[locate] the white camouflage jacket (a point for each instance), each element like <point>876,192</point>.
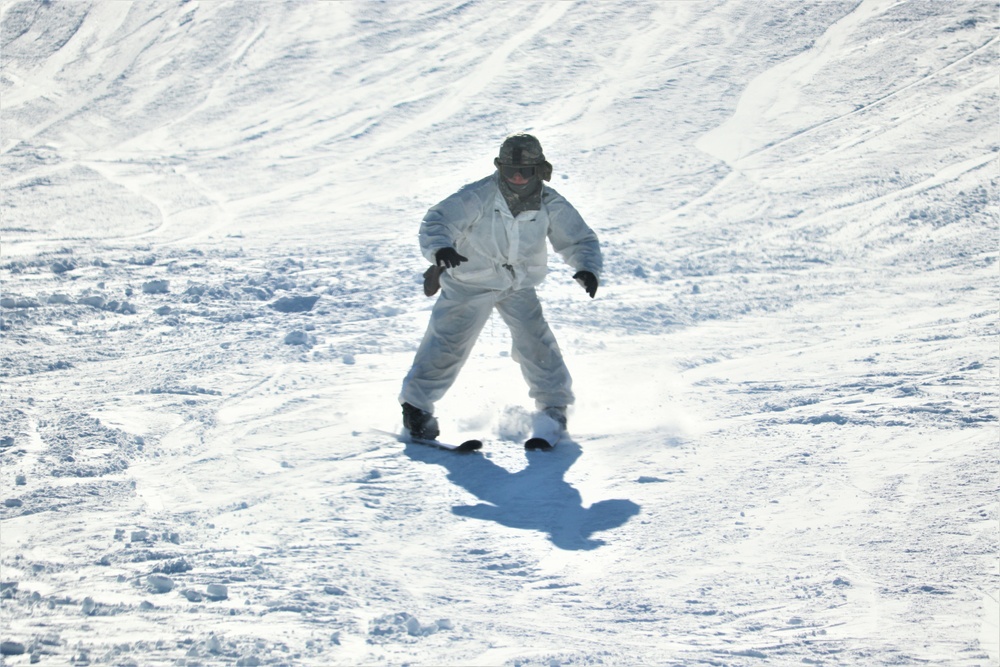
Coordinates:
<point>506,252</point>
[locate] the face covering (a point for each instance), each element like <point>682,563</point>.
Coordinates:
<point>521,196</point>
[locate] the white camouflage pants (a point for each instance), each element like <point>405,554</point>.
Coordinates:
<point>457,319</point>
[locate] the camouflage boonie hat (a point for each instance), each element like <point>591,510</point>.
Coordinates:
<point>521,149</point>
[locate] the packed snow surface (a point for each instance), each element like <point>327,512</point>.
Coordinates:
<point>784,449</point>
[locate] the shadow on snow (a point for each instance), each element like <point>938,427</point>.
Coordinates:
<point>535,498</point>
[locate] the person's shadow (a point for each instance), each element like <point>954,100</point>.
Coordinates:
<point>535,498</point>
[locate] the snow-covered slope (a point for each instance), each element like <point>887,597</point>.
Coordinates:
<point>784,449</point>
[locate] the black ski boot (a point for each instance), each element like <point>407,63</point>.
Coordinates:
<point>556,414</point>
<point>549,427</point>
<point>420,424</point>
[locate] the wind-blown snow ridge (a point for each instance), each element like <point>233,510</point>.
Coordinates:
<point>784,446</point>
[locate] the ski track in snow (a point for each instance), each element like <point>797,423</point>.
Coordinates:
<point>784,446</point>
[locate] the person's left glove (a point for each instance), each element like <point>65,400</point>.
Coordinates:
<point>588,281</point>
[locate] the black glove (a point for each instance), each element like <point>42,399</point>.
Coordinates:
<point>448,258</point>
<point>588,281</point>
<point>432,280</point>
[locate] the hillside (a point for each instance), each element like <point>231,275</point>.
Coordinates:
<point>784,449</point>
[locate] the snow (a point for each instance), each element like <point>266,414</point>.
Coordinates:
<point>784,449</point>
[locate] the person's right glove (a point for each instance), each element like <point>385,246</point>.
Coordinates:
<point>588,281</point>
<point>448,258</point>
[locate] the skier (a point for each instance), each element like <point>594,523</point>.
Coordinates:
<point>487,243</point>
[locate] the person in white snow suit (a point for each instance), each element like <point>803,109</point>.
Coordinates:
<point>488,245</point>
